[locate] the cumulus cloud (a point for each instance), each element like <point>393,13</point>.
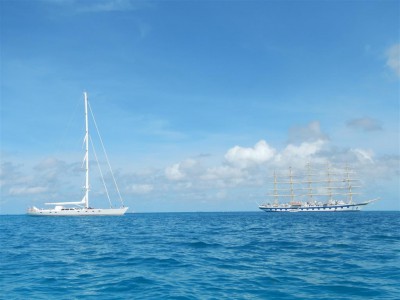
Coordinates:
<point>240,162</point>
<point>179,171</point>
<point>9,173</point>
<point>393,59</point>
<point>17,191</point>
<point>174,172</point>
<point>245,157</point>
<point>50,163</point>
<point>140,188</point>
<point>309,133</point>
<point>365,124</point>
<point>303,151</point>
<point>223,176</point>
<point>54,171</point>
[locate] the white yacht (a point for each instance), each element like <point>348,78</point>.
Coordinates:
<point>82,208</point>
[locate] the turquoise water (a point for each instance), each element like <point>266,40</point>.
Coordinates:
<point>251,255</point>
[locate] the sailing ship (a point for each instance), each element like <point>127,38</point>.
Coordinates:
<point>313,191</point>
<point>82,208</point>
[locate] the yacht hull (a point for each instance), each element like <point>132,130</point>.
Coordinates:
<point>79,212</point>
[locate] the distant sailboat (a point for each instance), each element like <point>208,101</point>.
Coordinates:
<point>80,208</point>
<point>312,192</point>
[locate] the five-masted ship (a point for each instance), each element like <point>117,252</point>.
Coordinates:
<point>315,191</point>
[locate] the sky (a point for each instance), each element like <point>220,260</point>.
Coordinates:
<point>197,102</point>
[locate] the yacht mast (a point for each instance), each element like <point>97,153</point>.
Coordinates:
<point>86,151</point>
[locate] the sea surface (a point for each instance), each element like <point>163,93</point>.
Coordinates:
<point>241,255</point>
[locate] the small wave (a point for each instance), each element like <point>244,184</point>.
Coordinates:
<point>200,244</point>
<point>385,237</point>
<point>155,262</point>
<point>124,285</point>
<point>351,290</point>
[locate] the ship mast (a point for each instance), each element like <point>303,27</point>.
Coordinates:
<point>309,183</point>
<point>330,186</point>
<point>350,185</point>
<point>276,199</point>
<point>291,184</point>
<point>329,181</point>
<point>86,151</point>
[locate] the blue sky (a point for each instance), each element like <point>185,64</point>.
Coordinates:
<point>197,101</point>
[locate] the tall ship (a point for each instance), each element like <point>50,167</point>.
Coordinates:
<point>82,208</point>
<point>314,190</point>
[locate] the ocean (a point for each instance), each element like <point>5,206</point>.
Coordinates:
<point>230,255</point>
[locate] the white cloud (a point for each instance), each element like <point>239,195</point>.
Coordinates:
<point>9,173</point>
<point>54,171</point>
<point>17,191</point>
<point>222,194</point>
<point>303,151</point>
<point>297,156</point>
<point>309,133</point>
<point>50,163</point>
<point>365,124</point>
<point>240,162</point>
<point>223,176</point>
<point>179,171</point>
<point>141,188</point>
<point>393,58</point>
<point>245,157</point>
<point>174,173</point>
<point>153,125</point>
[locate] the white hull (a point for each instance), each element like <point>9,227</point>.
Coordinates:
<point>65,212</point>
<point>327,208</point>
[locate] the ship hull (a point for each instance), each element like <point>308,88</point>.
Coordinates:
<point>79,212</point>
<point>325,208</point>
